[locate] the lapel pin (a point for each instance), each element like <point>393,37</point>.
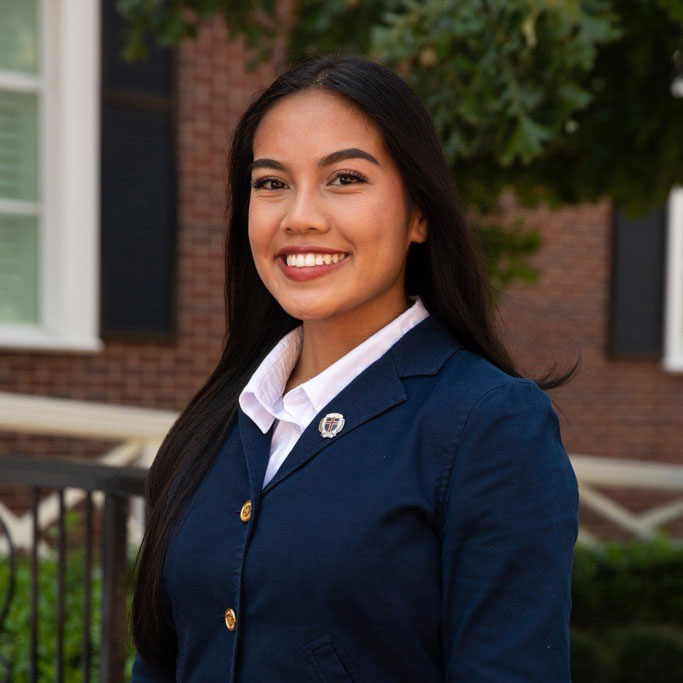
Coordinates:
<point>331,425</point>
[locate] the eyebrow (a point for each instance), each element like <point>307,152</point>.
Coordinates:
<point>332,158</point>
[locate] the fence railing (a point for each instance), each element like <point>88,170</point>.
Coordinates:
<point>137,433</point>
<point>620,473</point>
<point>117,484</point>
<point>113,483</point>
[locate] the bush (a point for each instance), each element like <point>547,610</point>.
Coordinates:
<point>647,653</point>
<point>627,612</point>
<point>591,662</point>
<point>618,583</point>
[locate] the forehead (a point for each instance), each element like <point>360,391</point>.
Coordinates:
<point>315,123</point>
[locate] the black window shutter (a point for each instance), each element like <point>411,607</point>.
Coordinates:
<point>637,284</point>
<point>138,189</point>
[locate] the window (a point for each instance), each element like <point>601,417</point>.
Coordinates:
<point>49,174</point>
<point>138,189</point>
<point>637,284</point>
<point>646,298</point>
<point>673,331</point>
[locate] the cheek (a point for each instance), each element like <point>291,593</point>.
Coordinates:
<point>258,231</point>
<point>379,230</point>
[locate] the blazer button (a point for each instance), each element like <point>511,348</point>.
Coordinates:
<point>245,512</point>
<point>230,619</point>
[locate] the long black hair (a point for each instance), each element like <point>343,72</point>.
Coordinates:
<point>446,271</point>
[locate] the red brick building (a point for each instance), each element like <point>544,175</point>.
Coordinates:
<point>138,319</point>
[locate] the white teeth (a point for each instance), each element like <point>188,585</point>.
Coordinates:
<point>306,260</point>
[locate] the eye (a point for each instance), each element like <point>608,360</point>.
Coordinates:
<point>357,177</point>
<point>260,183</point>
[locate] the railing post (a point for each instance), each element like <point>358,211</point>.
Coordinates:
<point>87,586</point>
<point>35,499</point>
<point>115,578</point>
<point>61,585</point>
<point>5,663</point>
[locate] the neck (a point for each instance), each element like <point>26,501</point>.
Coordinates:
<point>326,341</point>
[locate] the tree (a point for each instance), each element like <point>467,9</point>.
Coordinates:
<point>562,100</point>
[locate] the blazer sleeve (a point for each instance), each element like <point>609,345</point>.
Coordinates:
<point>510,521</point>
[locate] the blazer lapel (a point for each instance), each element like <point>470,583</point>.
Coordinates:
<point>375,390</point>
<point>421,351</point>
<point>256,446</point>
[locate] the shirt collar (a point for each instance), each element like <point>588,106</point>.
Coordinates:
<point>262,398</point>
<point>262,395</point>
<point>324,386</point>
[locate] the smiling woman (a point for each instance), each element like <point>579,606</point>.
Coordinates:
<point>365,488</point>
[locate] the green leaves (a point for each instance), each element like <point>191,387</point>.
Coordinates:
<point>627,611</point>
<point>526,141</point>
<point>511,68</point>
<point>505,250</point>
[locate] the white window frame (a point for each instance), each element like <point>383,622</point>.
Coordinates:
<point>69,180</point>
<point>672,359</point>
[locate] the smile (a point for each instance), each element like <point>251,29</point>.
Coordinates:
<point>301,267</point>
<point>311,259</point>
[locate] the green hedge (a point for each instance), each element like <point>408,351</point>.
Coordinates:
<point>627,614</point>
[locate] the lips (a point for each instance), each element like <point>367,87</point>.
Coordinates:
<point>304,272</point>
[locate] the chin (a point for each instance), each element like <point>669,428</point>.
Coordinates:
<point>309,310</point>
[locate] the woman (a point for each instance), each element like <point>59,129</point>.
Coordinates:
<point>365,489</point>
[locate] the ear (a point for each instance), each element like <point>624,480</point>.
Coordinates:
<point>417,226</point>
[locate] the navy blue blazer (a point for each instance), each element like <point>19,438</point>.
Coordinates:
<point>430,540</point>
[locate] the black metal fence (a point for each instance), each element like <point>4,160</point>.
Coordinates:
<point>118,484</point>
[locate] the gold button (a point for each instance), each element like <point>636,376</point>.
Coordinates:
<point>245,512</point>
<point>230,619</point>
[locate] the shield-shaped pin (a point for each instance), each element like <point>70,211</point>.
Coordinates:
<point>331,425</point>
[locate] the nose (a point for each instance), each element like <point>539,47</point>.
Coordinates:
<point>305,213</point>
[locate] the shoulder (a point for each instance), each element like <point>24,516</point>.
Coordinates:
<point>469,387</point>
<point>450,377</point>
<point>504,445</point>
<point>452,390</point>
<point>481,400</point>
<point>484,391</point>
<point>492,429</point>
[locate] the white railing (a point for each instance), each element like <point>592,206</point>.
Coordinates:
<point>139,432</point>
<point>619,473</point>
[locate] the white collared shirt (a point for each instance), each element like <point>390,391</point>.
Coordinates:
<point>262,398</point>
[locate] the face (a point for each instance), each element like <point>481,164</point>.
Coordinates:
<point>329,229</point>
